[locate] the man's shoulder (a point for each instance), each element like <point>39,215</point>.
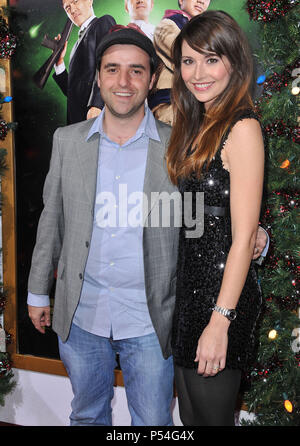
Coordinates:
<point>162,125</point>
<point>175,16</point>
<point>105,17</point>
<point>167,29</point>
<point>179,19</point>
<point>164,130</point>
<point>105,20</point>
<point>99,27</point>
<point>75,132</point>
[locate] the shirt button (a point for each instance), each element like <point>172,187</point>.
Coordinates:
<point>87,244</point>
<point>113,235</point>
<point>112,263</point>
<point>118,177</point>
<point>80,276</point>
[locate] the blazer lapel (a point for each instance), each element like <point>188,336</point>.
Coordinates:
<point>88,153</point>
<point>155,175</point>
<point>80,39</point>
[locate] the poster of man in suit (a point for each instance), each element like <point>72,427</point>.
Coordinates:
<point>68,95</point>
<point>78,82</point>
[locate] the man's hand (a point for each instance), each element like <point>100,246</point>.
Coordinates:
<point>63,53</point>
<point>261,241</point>
<point>93,112</point>
<point>40,317</point>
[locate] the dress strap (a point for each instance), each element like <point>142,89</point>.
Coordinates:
<point>244,114</point>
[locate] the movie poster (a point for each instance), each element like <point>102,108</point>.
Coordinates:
<point>39,112</point>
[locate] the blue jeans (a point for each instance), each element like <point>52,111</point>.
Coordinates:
<point>148,378</point>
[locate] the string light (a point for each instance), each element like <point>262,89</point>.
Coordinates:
<point>285,164</point>
<point>288,406</point>
<point>261,79</point>
<point>7,99</point>
<point>272,334</point>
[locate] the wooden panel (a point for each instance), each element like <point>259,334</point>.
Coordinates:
<point>52,366</point>
<point>9,217</point>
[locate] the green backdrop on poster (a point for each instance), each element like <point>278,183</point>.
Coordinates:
<point>50,19</point>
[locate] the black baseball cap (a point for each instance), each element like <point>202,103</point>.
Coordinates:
<point>128,36</point>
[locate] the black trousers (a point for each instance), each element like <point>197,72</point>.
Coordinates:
<point>207,401</point>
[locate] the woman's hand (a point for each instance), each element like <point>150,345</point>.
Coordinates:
<point>212,346</point>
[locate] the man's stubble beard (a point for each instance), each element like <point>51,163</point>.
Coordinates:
<point>129,114</point>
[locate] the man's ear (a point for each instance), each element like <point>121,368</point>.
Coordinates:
<point>152,81</point>
<point>98,77</point>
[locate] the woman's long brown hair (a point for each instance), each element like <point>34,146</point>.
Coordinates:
<point>197,133</point>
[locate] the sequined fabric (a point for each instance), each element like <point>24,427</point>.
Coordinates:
<point>201,263</point>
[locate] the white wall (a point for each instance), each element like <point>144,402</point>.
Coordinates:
<point>45,400</point>
<point>41,399</point>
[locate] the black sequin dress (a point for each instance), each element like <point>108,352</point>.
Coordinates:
<point>201,263</point>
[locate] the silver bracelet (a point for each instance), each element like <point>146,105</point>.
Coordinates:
<point>229,314</point>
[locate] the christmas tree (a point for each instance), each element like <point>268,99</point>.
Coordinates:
<point>6,374</point>
<point>274,381</point>
<point>7,49</point>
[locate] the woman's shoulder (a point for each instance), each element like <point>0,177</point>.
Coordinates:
<point>244,122</point>
<point>244,116</point>
<point>244,132</point>
<point>245,125</point>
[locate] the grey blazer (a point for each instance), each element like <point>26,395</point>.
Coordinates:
<point>66,223</point>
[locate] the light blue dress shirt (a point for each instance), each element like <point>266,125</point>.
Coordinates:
<point>113,300</point>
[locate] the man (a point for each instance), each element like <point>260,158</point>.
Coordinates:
<point>139,11</point>
<point>115,286</point>
<point>79,84</point>
<point>165,33</point>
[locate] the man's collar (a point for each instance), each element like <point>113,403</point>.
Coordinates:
<point>170,12</point>
<point>140,22</point>
<point>87,22</point>
<point>146,127</point>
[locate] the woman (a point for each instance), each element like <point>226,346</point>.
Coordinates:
<point>216,147</point>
